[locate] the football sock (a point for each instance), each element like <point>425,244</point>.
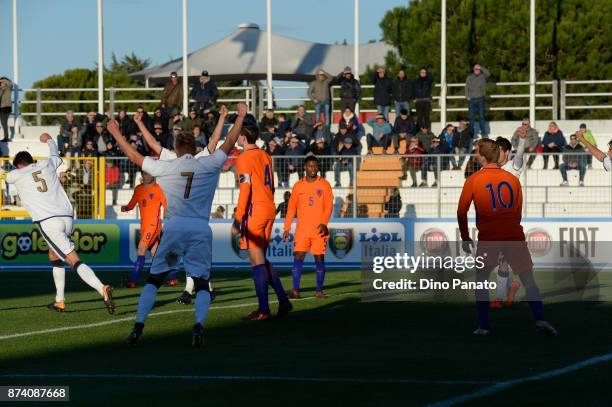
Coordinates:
<point>296,273</point>
<point>189,285</point>
<point>276,283</point>
<point>533,295</point>
<point>260,278</point>
<point>202,303</point>
<point>88,275</point>
<point>59,277</point>
<point>138,266</point>
<point>320,271</point>
<point>146,302</point>
<point>502,285</point>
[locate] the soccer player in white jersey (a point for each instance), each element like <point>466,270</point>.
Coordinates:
<point>606,159</point>
<point>167,155</point>
<point>189,185</point>
<point>506,288</point>
<point>43,196</point>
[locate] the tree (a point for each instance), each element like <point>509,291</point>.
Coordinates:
<point>573,42</point>
<point>129,63</point>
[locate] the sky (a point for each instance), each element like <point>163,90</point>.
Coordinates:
<point>55,35</point>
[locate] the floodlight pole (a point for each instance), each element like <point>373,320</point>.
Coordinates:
<point>532,63</point>
<point>100,59</point>
<point>443,65</point>
<point>15,46</point>
<point>185,63</point>
<point>269,52</point>
<point>356,49</point>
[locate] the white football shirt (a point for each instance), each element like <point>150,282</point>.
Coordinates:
<point>607,163</point>
<point>167,155</point>
<point>39,187</point>
<point>189,183</point>
<point>509,166</point>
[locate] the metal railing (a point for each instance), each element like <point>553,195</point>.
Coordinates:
<point>584,100</point>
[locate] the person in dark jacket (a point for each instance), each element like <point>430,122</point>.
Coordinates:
<point>339,138</point>
<point>403,125</point>
<point>350,121</point>
<point>435,163</point>
<point>159,117</point>
<point>321,149</point>
<point>394,205</point>
<point>126,124</point>
<point>421,88</point>
<point>383,90</point>
<point>276,151</point>
<point>268,125</point>
<point>553,142</point>
<point>402,92</point>
<point>573,161</point>
<point>449,135</point>
<point>164,138</point>
<point>350,89</point>
<point>284,206</point>
<point>293,156</point>
<point>205,93</point>
<point>466,139</point>
<point>473,165</point>
<point>345,164</point>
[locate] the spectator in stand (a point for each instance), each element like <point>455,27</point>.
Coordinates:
<point>350,121</point>
<point>573,159</point>
<point>172,95</point>
<point>268,126</point>
<point>319,131</point>
<point>532,140</point>
<point>473,163</point>
<point>404,123</point>
<point>113,179</point>
<point>276,150</point>
<point>112,151</point>
<point>191,120</point>
<point>381,133</point>
<point>176,120</point>
<point>347,207</point>
<point>199,136</point>
<point>466,139</point>
<point>338,142</point>
<point>591,139</point>
<point>402,93</point>
<point>553,142</point>
<point>6,105</point>
<point>89,128</point>
<point>346,149</point>
<point>448,136</point>
<point>283,125</point>
<point>145,118</point>
<point>205,93</point>
<point>88,150</point>
<point>74,141</point>
<point>414,161</point>
<point>83,197</point>
<point>209,122</point>
<point>126,124</point>
<point>302,124</point>
<point>159,117</point>
<point>293,154</point>
<point>394,205</point>
<point>321,149</point>
<point>319,94</point>
<point>425,136</point>
<point>435,163</point>
<point>164,138</point>
<point>421,92</point>
<point>283,206</point>
<point>350,89</point>
<point>219,213</point>
<point>64,138</point>
<point>101,138</point>
<point>383,91</point>
<point>475,93</point>
<point>400,142</point>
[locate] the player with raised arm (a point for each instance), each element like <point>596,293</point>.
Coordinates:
<point>312,201</point>
<point>43,196</point>
<point>254,219</point>
<point>189,185</point>
<point>150,199</point>
<point>506,288</point>
<point>606,159</point>
<point>166,155</point>
<point>498,200</point>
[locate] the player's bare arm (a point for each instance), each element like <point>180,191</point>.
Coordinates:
<point>146,134</point>
<point>594,151</point>
<point>216,136</point>
<point>232,137</point>
<point>131,153</point>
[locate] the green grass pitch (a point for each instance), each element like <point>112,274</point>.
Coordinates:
<point>336,351</point>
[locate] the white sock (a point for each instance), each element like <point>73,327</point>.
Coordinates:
<point>202,303</point>
<point>189,285</point>
<point>59,277</point>
<point>88,275</point>
<point>146,302</point>
<point>502,287</point>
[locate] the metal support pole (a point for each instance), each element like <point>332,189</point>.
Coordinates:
<point>38,107</point>
<point>185,63</point>
<point>15,46</point>
<point>555,99</point>
<point>356,49</point>
<point>438,181</point>
<point>443,66</point>
<point>562,98</point>
<point>111,101</point>
<point>269,53</point>
<point>100,59</point>
<point>355,163</point>
<point>532,62</point>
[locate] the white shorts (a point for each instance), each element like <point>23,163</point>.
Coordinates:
<point>188,238</point>
<point>57,231</point>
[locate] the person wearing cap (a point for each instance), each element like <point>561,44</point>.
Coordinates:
<point>172,95</point>
<point>319,94</point>
<point>532,139</point>
<point>321,149</point>
<point>421,93</point>
<point>383,89</point>
<point>475,93</point>
<point>205,93</point>
<point>350,89</point>
<point>588,136</point>
<point>347,150</point>
<point>381,133</point>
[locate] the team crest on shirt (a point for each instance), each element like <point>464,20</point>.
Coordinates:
<point>340,242</point>
<point>151,196</point>
<point>319,193</point>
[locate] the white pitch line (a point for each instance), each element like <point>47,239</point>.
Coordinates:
<point>119,320</point>
<point>501,386</point>
<point>240,378</point>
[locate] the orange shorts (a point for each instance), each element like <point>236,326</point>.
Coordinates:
<point>256,233</point>
<point>149,233</point>
<point>316,245</point>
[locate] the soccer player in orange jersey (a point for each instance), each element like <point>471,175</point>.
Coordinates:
<point>254,219</point>
<point>312,201</point>
<point>498,201</point>
<point>150,198</point>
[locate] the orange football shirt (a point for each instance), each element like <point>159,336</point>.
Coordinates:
<point>313,204</point>
<point>150,198</point>
<point>256,177</point>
